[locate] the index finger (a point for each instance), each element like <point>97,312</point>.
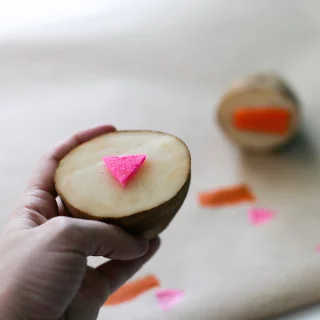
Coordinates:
<point>43,176</point>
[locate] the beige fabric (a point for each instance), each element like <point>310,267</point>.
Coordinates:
<point>163,65</point>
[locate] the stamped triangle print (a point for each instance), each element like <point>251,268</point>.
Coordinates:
<point>259,216</point>
<point>167,298</point>
<point>124,168</point>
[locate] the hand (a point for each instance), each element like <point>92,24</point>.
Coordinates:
<point>43,267</point>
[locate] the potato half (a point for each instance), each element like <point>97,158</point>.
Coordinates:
<point>261,91</point>
<point>149,201</point>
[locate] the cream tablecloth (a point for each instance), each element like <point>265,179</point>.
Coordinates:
<point>163,65</point>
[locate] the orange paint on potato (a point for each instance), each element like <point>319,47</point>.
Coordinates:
<point>269,120</point>
<point>226,196</point>
<point>132,289</point>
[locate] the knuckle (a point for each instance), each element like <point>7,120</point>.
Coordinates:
<point>60,225</point>
<point>63,230</point>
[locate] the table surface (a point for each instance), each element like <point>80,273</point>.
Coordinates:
<point>67,65</point>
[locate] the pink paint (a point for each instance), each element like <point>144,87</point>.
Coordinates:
<point>167,298</point>
<point>318,248</point>
<point>259,216</point>
<point>123,168</point>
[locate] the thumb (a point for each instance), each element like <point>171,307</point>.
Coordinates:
<point>94,238</point>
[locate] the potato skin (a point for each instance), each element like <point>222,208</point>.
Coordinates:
<point>268,80</point>
<point>149,223</point>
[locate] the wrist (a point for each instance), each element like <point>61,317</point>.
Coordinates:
<point>7,311</point>
<point>7,314</point>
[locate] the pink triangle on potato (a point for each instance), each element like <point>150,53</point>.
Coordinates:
<point>124,168</point>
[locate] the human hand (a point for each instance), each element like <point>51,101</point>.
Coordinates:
<point>43,268</point>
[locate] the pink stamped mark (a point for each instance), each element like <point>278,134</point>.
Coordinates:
<point>123,168</point>
<point>318,248</point>
<point>167,298</point>
<point>259,216</point>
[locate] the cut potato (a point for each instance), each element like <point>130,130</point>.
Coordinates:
<point>147,204</point>
<point>260,113</point>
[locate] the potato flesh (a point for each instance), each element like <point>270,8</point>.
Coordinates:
<point>86,184</point>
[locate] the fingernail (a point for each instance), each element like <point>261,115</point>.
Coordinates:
<point>142,240</point>
<point>155,244</point>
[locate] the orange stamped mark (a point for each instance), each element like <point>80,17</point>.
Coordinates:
<point>269,120</point>
<point>226,196</point>
<point>132,289</point>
